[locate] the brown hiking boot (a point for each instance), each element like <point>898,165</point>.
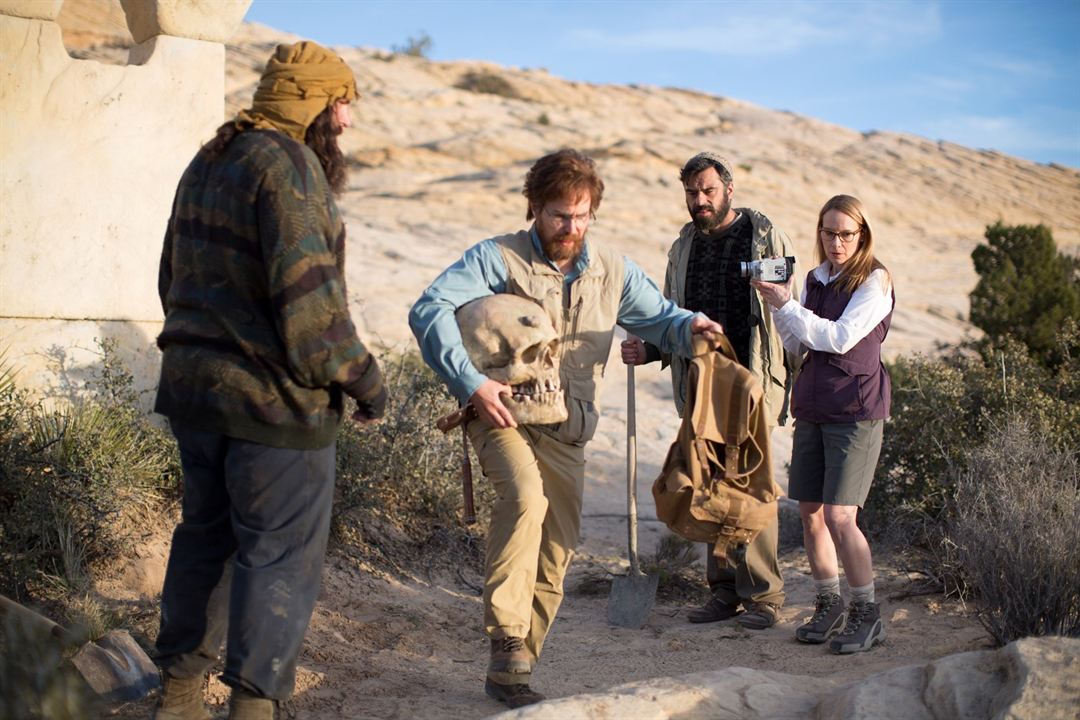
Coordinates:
<point>508,655</point>
<point>713,611</point>
<point>246,706</point>
<point>515,696</point>
<point>761,615</point>
<point>181,699</point>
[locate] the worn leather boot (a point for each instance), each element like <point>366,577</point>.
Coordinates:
<point>714,610</point>
<point>508,655</point>
<point>181,699</point>
<point>246,706</point>
<point>514,695</point>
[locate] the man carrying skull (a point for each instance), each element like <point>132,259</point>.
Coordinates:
<point>531,447</point>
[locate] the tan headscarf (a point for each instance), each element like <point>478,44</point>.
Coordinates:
<point>299,82</point>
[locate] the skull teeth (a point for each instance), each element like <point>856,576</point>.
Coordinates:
<point>541,391</point>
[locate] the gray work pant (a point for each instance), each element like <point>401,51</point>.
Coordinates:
<point>754,577</point>
<point>246,559</point>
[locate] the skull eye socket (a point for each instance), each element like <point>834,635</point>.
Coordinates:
<point>499,359</point>
<point>532,353</point>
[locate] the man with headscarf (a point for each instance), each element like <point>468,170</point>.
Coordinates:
<point>703,275</point>
<point>258,352</point>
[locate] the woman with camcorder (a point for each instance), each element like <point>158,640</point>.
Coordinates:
<point>840,402</point>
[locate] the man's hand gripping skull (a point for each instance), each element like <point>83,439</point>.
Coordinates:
<point>511,340</point>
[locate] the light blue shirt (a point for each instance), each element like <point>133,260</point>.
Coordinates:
<point>482,271</point>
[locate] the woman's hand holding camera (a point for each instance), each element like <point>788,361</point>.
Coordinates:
<point>774,294</point>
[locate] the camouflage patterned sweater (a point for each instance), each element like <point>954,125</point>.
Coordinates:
<point>258,343</point>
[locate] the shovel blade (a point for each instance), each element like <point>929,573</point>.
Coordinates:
<point>632,597</point>
<point>116,668</point>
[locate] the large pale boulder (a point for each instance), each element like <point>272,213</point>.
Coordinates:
<point>892,695</point>
<point>1034,678</point>
<point>32,9</point>
<point>212,21</point>
<point>957,684</point>
<point>1043,680</point>
<point>735,693</point>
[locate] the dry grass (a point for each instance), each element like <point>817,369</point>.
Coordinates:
<point>1016,534</point>
<point>488,83</point>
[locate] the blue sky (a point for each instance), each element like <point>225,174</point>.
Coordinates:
<point>990,74</point>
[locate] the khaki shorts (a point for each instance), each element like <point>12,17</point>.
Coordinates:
<point>834,463</point>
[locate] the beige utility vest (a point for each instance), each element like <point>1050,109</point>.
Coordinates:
<point>584,315</point>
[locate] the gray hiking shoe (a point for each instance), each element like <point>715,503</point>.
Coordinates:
<point>828,620</point>
<point>864,629</point>
<point>508,655</point>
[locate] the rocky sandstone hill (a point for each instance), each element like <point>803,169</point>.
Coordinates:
<point>437,168</point>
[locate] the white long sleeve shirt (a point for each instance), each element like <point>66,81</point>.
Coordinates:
<point>802,330</point>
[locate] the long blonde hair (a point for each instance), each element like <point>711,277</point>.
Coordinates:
<point>862,262</point>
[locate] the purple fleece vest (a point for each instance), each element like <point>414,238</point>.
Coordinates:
<point>844,388</point>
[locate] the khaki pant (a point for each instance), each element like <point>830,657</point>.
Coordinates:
<point>535,526</point>
<point>754,578</point>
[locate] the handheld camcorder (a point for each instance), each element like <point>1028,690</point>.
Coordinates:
<point>774,270</point>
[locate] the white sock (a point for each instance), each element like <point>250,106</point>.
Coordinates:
<point>863,593</point>
<point>828,586</point>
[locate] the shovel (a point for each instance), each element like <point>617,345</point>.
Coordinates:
<point>114,666</point>
<point>632,595</point>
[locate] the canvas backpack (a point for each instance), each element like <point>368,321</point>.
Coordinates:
<point>716,484</point>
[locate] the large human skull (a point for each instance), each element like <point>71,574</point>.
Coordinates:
<point>511,340</point>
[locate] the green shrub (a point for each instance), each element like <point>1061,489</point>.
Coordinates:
<point>418,46</point>
<point>403,468</point>
<point>675,563</point>
<point>1026,289</point>
<point>488,83</point>
<point>1016,531</point>
<point>943,407</point>
<point>78,481</point>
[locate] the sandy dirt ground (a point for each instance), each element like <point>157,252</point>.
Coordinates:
<point>411,643</point>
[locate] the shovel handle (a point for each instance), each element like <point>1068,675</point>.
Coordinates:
<point>631,469</point>
<point>29,617</point>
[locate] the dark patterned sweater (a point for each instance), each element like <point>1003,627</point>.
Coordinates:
<point>258,343</point>
<point>714,285</point>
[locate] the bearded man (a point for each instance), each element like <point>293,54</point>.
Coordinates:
<point>259,351</point>
<point>538,471</point>
<point>703,275</point>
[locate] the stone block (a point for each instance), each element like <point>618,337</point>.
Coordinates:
<point>32,9</point>
<point>58,360</point>
<point>91,157</point>
<point>211,20</point>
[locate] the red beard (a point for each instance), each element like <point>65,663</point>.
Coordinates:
<point>563,247</point>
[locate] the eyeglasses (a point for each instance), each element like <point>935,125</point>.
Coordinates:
<point>579,220</point>
<point>845,236</point>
